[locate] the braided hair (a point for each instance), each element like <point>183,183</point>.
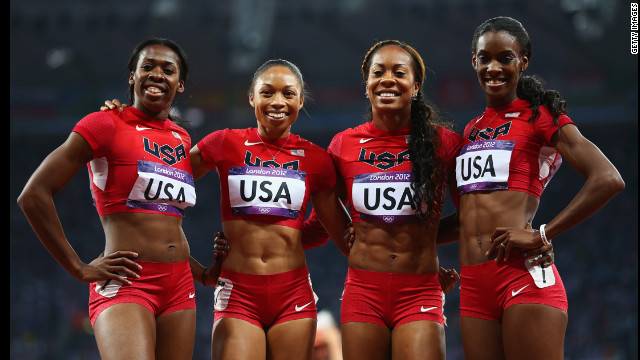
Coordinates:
<point>427,177</point>
<point>530,87</point>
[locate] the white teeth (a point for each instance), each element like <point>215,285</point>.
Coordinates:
<point>154,90</point>
<point>387,95</point>
<point>495,82</point>
<point>276,115</point>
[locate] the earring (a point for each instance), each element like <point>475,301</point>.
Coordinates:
<point>366,94</point>
<point>414,97</point>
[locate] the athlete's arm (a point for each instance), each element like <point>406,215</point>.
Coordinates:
<point>313,233</point>
<point>198,165</point>
<point>448,279</point>
<point>207,276</point>
<point>36,201</point>
<point>603,182</point>
<point>449,227</point>
<point>333,216</point>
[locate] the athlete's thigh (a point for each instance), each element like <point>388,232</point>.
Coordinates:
<point>422,339</point>
<point>481,339</point>
<point>544,335</point>
<point>126,331</point>
<point>176,333</point>
<point>364,341</point>
<point>291,340</point>
<point>237,339</point>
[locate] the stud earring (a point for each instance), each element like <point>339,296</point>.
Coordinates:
<point>414,97</point>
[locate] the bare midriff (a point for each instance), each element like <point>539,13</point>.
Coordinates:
<point>481,212</point>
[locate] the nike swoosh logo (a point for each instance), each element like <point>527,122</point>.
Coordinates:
<point>298,308</point>
<point>142,128</point>
<point>192,295</point>
<point>514,293</point>
<point>247,143</point>
<point>362,141</point>
<point>427,309</point>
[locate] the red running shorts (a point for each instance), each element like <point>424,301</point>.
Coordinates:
<point>487,289</point>
<point>265,300</point>
<point>391,299</point>
<point>162,288</point>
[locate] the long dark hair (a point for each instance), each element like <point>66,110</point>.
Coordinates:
<point>182,59</point>
<point>530,87</point>
<point>427,178</point>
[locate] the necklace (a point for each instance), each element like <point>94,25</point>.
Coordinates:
<point>273,157</point>
<point>505,111</point>
<point>486,126</point>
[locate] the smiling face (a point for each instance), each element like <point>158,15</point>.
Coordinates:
<point>391,82</point>
<point>499,65</point>
<point>156,81</point>
<point>277,98</point>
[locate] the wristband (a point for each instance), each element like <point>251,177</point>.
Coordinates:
<point>543,235</point>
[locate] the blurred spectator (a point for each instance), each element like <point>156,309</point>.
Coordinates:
<point>328,345</point>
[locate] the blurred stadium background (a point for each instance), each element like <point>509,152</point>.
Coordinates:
<point>67,57</point>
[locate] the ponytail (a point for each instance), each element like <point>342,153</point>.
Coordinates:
<point>424,138</point>
<point>531,88</point>
<point>423,145</point>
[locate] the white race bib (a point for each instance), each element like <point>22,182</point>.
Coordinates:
<point>384,196</point>
<point>162,188</point>
<point>265,190</point>
<point>222,294</point>
<point>542,277</point>
<point>484,165</point>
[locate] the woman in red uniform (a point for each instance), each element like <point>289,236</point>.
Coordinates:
<point>392,304</point>
<point>141,299</point>
<point>395,169</point>
<point>510,308</point>
<point>393,172</point>
<point>265,306</point>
